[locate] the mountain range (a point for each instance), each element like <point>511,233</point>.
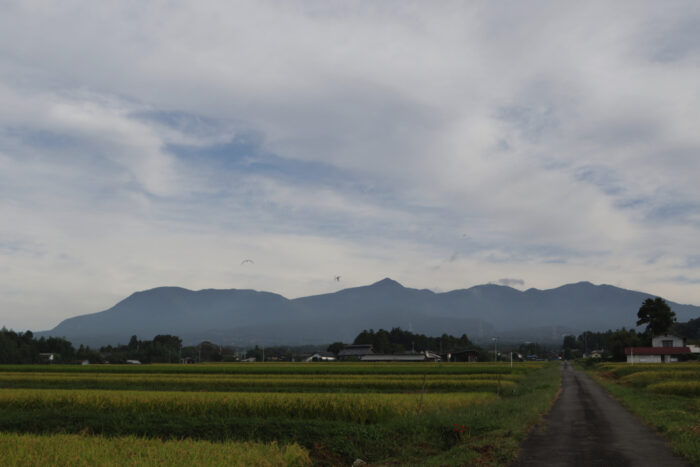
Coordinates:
<point>248,317</point>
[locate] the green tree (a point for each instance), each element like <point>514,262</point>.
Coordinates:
<point>335,347</point>
<point>657,315</point>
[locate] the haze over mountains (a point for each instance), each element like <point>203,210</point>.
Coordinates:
<point>247,317</point>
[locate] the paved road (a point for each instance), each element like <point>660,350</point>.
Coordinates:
<point>587,427</point>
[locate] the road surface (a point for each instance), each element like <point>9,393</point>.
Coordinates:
<point>587,427</point>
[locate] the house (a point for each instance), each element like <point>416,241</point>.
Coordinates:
<point>320,357</point>
<point>664,348</point>
<point>404,357</point>
<point>47,357</point>
<point>667,340</point>
<point>355,351</point>
<point>596,354</point>
<point>463,356</point>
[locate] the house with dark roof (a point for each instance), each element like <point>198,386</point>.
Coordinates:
<point>426,356</point>
<point>664,349</point>
<point>355,352</point>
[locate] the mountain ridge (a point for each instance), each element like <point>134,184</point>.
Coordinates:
<point>248,317</point>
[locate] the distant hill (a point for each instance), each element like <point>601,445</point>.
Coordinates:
<point>248,317</point>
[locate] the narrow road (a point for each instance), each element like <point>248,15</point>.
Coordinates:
<point>587,427</point>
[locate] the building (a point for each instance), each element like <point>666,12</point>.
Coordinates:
<point>403,357</point>
<point>319,357</point>
<point>596,354</point>
<point>47,357</point>
<point>355,351</point>
<point>664,348</point>
<point>471,355</point>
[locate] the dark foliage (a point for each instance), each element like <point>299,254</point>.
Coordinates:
<point>18,347</point>
<point>689,330</point>
<point>612,342</point>
<point>398,340</point>
<point>657,315</point>
<point>164,348</point>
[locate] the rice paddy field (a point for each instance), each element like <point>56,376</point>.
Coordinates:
<point>270,413</point>
<point>664,396</point>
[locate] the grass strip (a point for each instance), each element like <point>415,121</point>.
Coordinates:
<point>677,418</point>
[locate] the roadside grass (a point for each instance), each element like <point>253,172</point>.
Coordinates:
<point>676,417</point>
<point>484,435</point>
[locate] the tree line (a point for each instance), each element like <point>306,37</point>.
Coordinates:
<point>23,347</point>
<point>398,341</point>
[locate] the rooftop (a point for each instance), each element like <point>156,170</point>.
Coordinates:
<point>656,350</point>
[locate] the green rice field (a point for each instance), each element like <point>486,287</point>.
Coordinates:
<point>287,413</point>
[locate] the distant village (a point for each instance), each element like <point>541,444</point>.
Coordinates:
<point>663,341</point>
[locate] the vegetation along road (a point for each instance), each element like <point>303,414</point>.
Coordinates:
<point>587,427</point>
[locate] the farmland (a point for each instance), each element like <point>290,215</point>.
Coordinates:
<point>326,414</point>
<point>664,396</point>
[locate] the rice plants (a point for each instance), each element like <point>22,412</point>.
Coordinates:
<point>75,450</point>
<point>644,378</point>
<point>285,368</point>
<point>282,383</point>
<point>678,388</point>
<point>337,411</point>
<point>347,407</point>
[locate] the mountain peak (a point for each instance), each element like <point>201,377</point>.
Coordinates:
<point>386,282</point>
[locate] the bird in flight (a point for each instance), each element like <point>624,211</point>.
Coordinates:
<point>337,278</point>
<point>248,261</point>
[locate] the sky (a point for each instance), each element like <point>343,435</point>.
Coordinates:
<point>442,144</point>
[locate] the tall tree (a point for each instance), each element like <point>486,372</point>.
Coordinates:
<point>657,315</point>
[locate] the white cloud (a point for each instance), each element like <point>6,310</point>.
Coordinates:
<point>560,138</point>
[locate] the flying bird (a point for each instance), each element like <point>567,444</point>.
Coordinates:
<point>248,261</point>
<point>337,278</point>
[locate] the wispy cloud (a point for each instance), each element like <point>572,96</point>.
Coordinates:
<point>143,145</point>
<point>510,282</point>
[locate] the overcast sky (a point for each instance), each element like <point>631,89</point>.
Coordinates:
<point>442,144</point>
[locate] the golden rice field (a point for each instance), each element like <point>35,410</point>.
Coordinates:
<point>279,414</point>
<point>262,382</point>
<point>347,407</point>
<point>23,450</point>
<point>681,379</point>
<point>289,368</point>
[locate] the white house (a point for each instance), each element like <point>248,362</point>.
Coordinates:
<point>667,340</point>
<point>665,349</point>
<point>320,357</point>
